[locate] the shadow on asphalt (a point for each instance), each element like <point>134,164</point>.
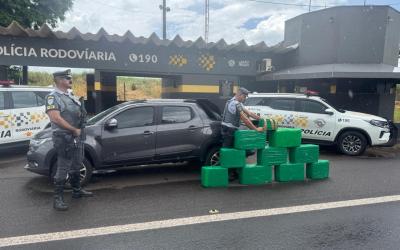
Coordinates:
<point>128,177</point>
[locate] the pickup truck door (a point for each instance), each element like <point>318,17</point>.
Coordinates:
<point>179,132</point>
<point>133,139</point>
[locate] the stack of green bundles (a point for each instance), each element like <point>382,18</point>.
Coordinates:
<point>236,158</point>
<point>253,174</point>
<point>284,151</point>
<point>289,156</point>
<point>217,176</point>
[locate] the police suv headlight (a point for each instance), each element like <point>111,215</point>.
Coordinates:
<point>381,124</point>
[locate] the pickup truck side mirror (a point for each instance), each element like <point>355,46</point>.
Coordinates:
<point>111,124</point>
<point>329,111</point>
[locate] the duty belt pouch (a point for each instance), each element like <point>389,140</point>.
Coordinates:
<point>64,143</point>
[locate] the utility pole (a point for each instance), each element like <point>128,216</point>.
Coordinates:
<point>309,7</point>
<point>365,2</point>
<point>206,20</point>
<point>164,9</point>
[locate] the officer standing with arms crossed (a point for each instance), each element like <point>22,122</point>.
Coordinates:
<point>233,113</point>
<point>64,111</point>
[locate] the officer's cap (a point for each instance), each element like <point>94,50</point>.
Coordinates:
<point>243,91</point>
<point>64,73</point>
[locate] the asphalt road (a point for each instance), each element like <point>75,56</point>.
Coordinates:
<point>159,193</point>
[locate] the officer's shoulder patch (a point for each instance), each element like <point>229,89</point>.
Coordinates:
<point>50,100</point>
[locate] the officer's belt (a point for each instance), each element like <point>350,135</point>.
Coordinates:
<point>61,133</point>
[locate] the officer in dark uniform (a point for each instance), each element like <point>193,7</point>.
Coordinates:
<point>64,111</point>
<point>235,112</point>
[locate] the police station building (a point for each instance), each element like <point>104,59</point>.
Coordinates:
<point>347,54</point>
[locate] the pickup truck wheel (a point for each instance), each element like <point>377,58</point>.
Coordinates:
<point>352,143</point>
<point>212,158</point>
<point>86,172</point>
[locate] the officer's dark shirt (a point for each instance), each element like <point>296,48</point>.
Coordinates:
<point>67,104</point>
<point>231,116</point>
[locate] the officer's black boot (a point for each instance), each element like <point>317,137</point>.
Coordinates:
<point>59,203</point>
<point>77,191</point>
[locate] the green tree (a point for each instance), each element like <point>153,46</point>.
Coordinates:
<point>33,13</point>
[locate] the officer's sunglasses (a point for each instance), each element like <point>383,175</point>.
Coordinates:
<point>67,78</point>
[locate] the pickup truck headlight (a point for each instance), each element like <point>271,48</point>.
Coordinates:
<point>381,124</point>
<point>35,143</point>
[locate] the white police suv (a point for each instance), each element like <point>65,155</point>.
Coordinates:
<point>321,123</point>
<point>22,113</point>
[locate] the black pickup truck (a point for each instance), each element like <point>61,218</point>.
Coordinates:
<point>137,133</point>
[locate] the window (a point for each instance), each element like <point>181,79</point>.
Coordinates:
<point>24,99</point>
<point>176,115</point>
<point>40,97</point>
<point>312,107</point>
<point>282,104</point>
<point>256,101</point>
<point>101,115</point>
<point>2,101</point>
<point>135,117</point>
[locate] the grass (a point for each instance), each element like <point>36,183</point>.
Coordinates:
<point>128,88</point>
<point>131,88</point>
<point>396,117</point>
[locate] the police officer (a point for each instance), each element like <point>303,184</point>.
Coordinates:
<point>64,111</point>
<point>234,112</point>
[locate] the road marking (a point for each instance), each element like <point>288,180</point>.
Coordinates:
<point>129,228</point>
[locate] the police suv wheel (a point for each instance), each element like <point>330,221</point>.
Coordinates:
<point>352,143</point>
<point>212,158</point>
<point>85,172</point>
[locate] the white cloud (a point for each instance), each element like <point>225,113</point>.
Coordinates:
<point>227,18</point>
<point>186,18</point>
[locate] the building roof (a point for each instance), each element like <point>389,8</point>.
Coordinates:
<point>335,71</point>
<point>16,30</point>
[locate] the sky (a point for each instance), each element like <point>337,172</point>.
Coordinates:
<point>233,20</point>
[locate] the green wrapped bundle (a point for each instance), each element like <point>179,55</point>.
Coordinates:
<point>271,156</point>
<point>232,158</point>
<point>306,153</point>
<point>255,174</point>
<point>214,176</point>
<point>271,124</point>
<point>318,170</point>
<point>249,139</point>
<point>285,137</point>
<point>289,172</point>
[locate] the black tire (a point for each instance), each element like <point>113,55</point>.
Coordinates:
<point>352,143</point>
<point>86,172</point>
<point>212,158</point>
